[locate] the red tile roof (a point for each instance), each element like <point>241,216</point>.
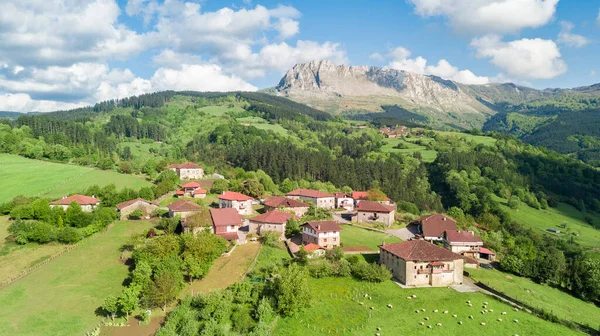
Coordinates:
<point>275,217</point>
<point>362,195</point>
<point>184,205</point>
<point>435,225</point>
<point>229,235</point>
<point>341,195</point>
<point>199,191</point>
<point>191,185</point>
<point>179,192</point>
<point>368,206</point>
<point>454,236</point>
<point>323,226</point>
<point>284,202</point>
<point>185,165</point>
<point>309,193</point>
<point>311,247</point>
<point>486,251</point>
<point>128,203</point>
<point>420,250</point>
<point>225,217</point>
<point>79,199</point>
<point>234,196</point>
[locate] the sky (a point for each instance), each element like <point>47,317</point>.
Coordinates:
<point>64,54</point>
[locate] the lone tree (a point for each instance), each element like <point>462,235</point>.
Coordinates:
<point>164,290</point>
<point>291,290</point>
<point>111,306</point>
<point>128,301</point>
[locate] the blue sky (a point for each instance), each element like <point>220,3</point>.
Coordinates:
<point>80,52</point>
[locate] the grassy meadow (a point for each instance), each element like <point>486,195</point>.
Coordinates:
<point>336,310</point>
<point>270,254</point>
<point>356,236</point>
<point>61,297</point>
<point>477,139</point>
<point>22,176</point>
<point>540,296</point>
<point>428,155</point>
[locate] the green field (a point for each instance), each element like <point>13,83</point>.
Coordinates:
<point>270,255</point>
<point>22,176</point>
<point>542,220</point>
<point>60,298</point>
<point>427,154</point>
<point>262,124</point>
<point>477,139</point>
<point>336,310</point>
<point>356,236</point>
<point>540,296</point>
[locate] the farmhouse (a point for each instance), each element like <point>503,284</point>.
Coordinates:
<point>147,207</point>
<point>463,242</point>
<point>369,212</point>
<point>87,203</point>
<point>237,201</point>
<point>344,201</point>
<point>314,250</point>
<point>183,208</point>
<point>432,227</point>
<point>420,263</point>
<point>187,170</point>
<point>269,221</point>
<point>326,234</point>
<point>359,196</point>
<point>191,189</point>
<point>286,204</point>
<point>321,199</point>
<point>226,223</point>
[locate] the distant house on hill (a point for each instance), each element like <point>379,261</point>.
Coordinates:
<point>326,234</point>
<point>191,189</point>
<point>147,207</point>
<point>321,199</point>
<point>285,204</point>
<point>87,203</point>
<point>226,223</point>
<point>187,170</point>
<point>465,243</point>
<point>183,208</point>
<point>432,227</point>
<point>343,200</point>
<point>240,202</point>
<point>370,212</point>
<point>274,220</point>
<point>420,263</point>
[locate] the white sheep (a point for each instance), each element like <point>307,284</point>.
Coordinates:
<point>377,334</point>
<point>417,311</point>
<point>426,318</point>
<point>378,328</point>
<point>491,310</point>
<point>470,316</point>
<point>468,301</point>
<point>423,309</point>
<point>445,312</point>
<point>429,326</point>
<point>483,312</point>
<point>484,307</point>
<point>435,311</point>
<point>414,296</point>
<point>470,304</point>
<point>482,323</point>
<point>459,322</point>
<point>439,324</point>
<point>516,321</point>
<point>366,295</point>
<point>503,313</point>
<point>389,306</point>
<point>422,323</point>
<point>362,303</point>
<point>409,297</point>
<point>372,308</point>
<point>370,298</point>
<point>485,303</point>
<point>516,309</point>
<point>499,320</point>
<point>454,315</point>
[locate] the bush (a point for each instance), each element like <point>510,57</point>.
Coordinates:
<point>42,233</point>
<point>219,186</point>
<point>136,214</point>
<point>270,238</point>
<point>69,235</point>
<point>320,268</point>
<point>371,272</point>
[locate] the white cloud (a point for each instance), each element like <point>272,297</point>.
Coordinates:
<point>401,61</point>
<point>377,57</point>
<point>489,16</point>
<point>22,102</point>
<point>287,27</point>
<point>172,59</point>
<point>526,58</point>
<point>569,39</point>
<point>592,73</point>
<point>208,77</point>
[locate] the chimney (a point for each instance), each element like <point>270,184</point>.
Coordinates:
<point>93,196</point>
<point>444,219</point>
<point>318,227</point>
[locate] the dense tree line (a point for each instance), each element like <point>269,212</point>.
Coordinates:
<point>128,126</point>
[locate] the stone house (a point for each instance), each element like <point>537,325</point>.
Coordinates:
<point>421,263</point>
<point>321,199</point>
<point>274,220</point>
<point>343,201</point>
<point>147,207</point>
<point>235,200</point>
<point>371,212</point>
<point>465,243</point>
<point>285,204</point>
<point>187,170</point>
<point>191,189</point>
<point>87,203</point>
<point>432,227</point>
<point>326,234</point>
<point>226,223</point>
<point>183,208</point>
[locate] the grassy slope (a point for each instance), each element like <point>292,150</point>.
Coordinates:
<point>540,296</point>
<point>355,236</point>
<point>271,254</point>
<point>60,298</point>
<point>428,154</point>
<point>478,139</point>
<point>542,220</point>
<point>22,176</point>
<point>335,306</point>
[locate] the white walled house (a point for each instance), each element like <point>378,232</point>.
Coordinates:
<point>188,170</point>
<point>87,203</point>
<point>344,201</point>
<point>235,200</point>
<point>465,243</point>
<point>326,234</point>
<point>321,199</point>
<point>375,212</point>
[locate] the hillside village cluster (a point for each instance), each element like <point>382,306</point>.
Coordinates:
<point>419,261</point>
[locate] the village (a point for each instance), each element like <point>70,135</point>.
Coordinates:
<point>433,251</point>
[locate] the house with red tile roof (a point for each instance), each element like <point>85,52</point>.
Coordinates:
<point>191,189</point>
<point>147,207</point>
<point>375,212</point>
<point>359,196</point>
<point>285,204</point>
<point>432,227</point>
<point>321,199</point>
<point>274,220</point>
<point>87,203</point>
<point>465,243</point>
<point>343,201</point>
<point>238,201</point>
<point>421,263</point>
<point>226,223</point>
<point>326,234</point>
<point>183,208</point>
<point>187,170</point>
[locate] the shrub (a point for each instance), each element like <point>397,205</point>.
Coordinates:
<point>42,233</point>
<point>270,238</point>
<point>320,268</point>
<point>68,235</point>
<point>371,272</point>
<point>136,214</point>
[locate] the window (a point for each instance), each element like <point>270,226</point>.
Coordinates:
<point>334,239</point>
<point>427,275</point>
<point>325,240</point>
